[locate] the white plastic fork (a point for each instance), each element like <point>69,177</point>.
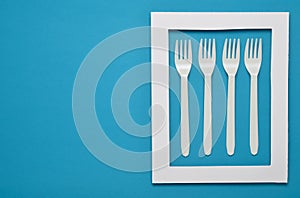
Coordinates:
<point>183,64</point>
<point>253,58</point>
<point>207,61</point>
<point>231,60</point>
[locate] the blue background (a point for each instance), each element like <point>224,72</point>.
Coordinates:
<point>42,45</point>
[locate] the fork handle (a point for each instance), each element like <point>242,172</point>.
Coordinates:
<point>230,128</point>
<point>185,129</point>
<point>253,117</point>
<point>207,135</point>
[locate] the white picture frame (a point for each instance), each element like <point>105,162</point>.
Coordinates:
<point>161,23</point>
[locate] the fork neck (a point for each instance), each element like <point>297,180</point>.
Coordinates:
<point>231,75</point>
<point>208,75</point>
<point>208,80</point>
<point>184,76</point>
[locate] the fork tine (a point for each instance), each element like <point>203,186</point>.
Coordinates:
<point>251,48</point>
<point>238,50</point>
<point>229,49</point>
<point>233,49</point>
<point>185,50</point>
<point>246,53</point>
<point>209,48</point>
<point>190,54</point>
<point>181,53</point>
<point>200,55</point>
<point>259,49</point>
<point>213,54</point>
<point>205,49</point>
<point>255,49</point>
<point>225,49</point>
<point>176,50</point>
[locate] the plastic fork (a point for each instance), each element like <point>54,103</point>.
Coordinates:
<point>207,61</point>
<point>183,62</point>
<point>252,58</point>
<point>231,60</point>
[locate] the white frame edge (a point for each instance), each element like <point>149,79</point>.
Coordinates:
<point>277,171</point>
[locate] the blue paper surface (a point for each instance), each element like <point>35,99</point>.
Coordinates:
<point>42,46</point>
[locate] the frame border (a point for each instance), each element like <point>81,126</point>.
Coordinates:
<point>161,22</point>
